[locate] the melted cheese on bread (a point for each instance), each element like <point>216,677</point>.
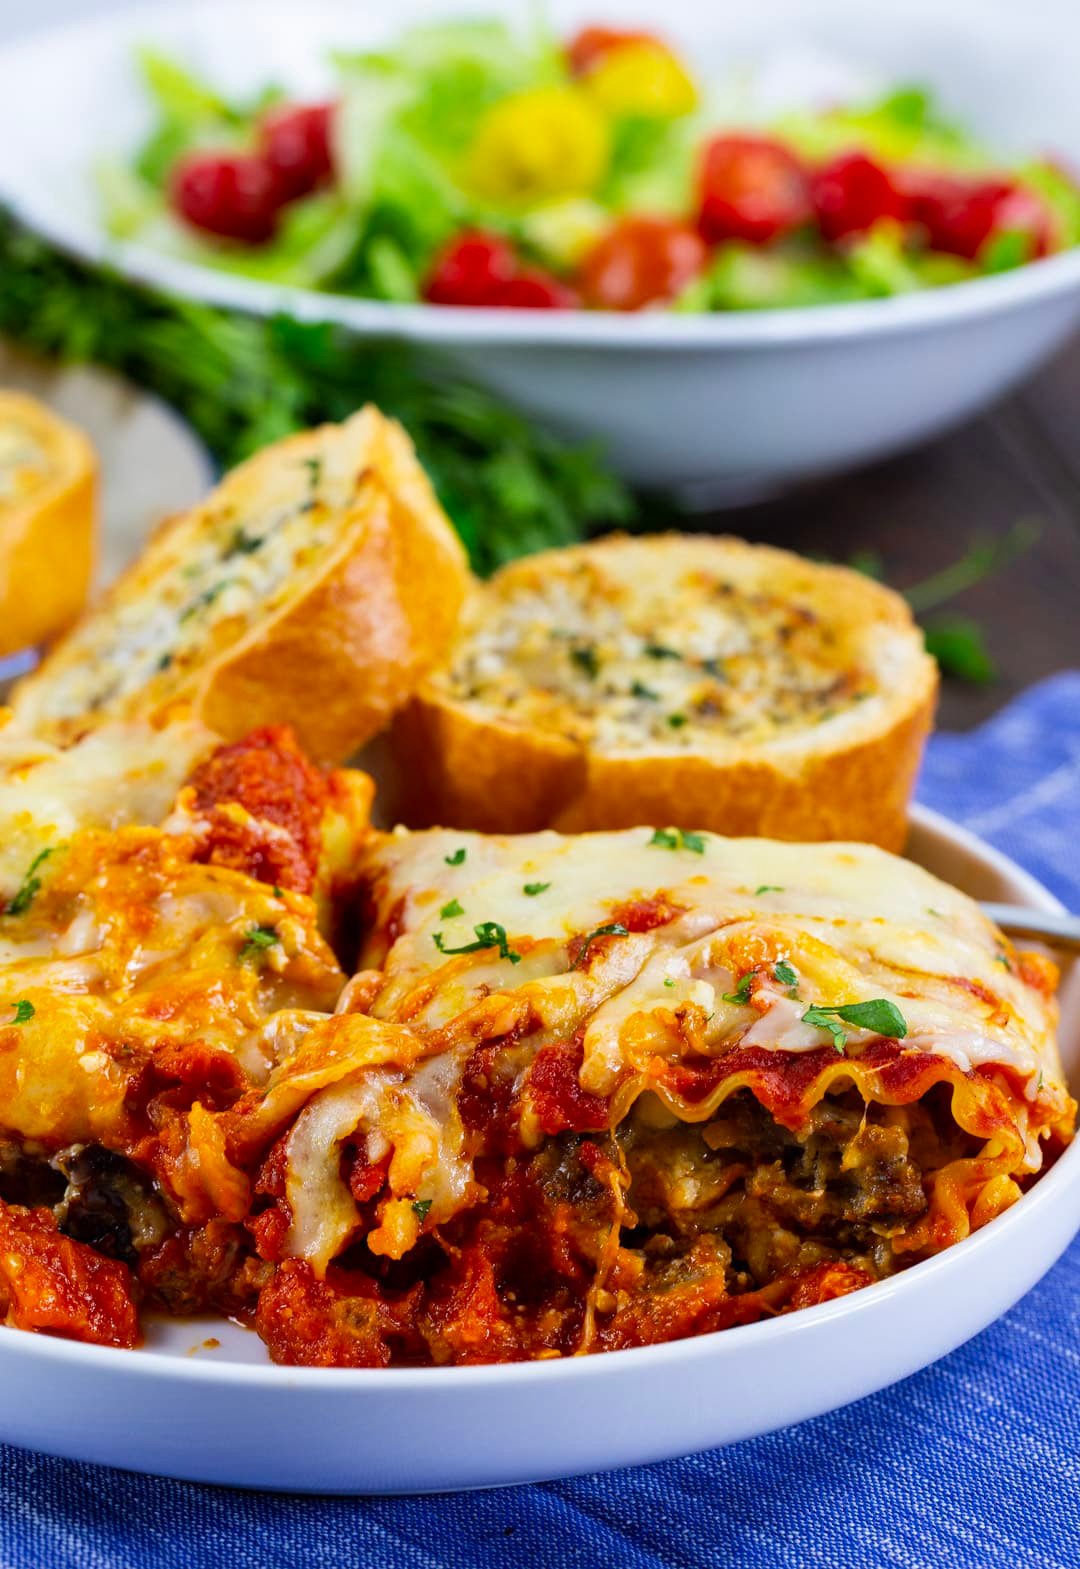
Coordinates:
<point>678,643</point>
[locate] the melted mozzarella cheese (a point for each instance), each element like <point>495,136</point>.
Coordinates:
<point>120,774</point>
<point>128,946</point>
<point>856,923</point>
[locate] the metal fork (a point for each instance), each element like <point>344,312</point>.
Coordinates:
<point>1057,931</point>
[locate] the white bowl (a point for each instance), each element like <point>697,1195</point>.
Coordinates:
<point>221,1413</point>
<point>714,405</point>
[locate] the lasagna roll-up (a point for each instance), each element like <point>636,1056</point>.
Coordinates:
<point>594,1092</point>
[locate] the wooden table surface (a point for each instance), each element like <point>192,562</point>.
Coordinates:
<point>920,512</point>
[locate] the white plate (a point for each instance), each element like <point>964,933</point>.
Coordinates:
<point>716,405</point>
<point>223,1414</point>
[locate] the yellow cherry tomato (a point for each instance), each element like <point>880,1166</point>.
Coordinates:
<point>538,146</point>
<point>641,77</point>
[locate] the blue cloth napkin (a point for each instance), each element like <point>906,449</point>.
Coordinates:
<point>972,1464</point>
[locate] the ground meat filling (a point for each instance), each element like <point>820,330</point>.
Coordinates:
<point>838,1189</point>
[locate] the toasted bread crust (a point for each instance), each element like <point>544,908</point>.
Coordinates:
<point>463,765</point>
<point>334,658</point>
<point>47,538</point>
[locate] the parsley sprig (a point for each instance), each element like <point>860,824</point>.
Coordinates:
<point>256,941</point>
<point>489,934</point>
<point>612,929</point>
<point>879,1015</point>
<point>741,995</point>
<point>29,886</point>
<point>678,839</point>
<point>782,972</point>
<point>24,1010</point>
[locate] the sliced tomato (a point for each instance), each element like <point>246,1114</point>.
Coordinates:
<point>295,141</point>
<point>591,44</point>
<point>471,270</point>
<point>234,195</point>
<point>961,214</point>
<point>752,188</point>
<point>851,194</point>
<point>640,262</point>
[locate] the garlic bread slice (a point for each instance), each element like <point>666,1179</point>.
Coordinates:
<point>313,587</point>
<point>48,519</point>
<point>684,680</point>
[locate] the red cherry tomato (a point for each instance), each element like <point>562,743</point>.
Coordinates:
<point>961,214</point>
<point>641,261</point>
<point>234,195</point>
<point>532,289</point>
<point>295,141</point>
<point>752,188</point>
<point>591,44</point>
<point>851,193</point>
<point>471,270</point>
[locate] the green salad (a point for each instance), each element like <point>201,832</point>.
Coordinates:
<point>471,164</point>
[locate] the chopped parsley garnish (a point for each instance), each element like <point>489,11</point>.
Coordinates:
<point>420,1208</point>
<point>206,598</point>
<point>1002,958</point>
<point>669,981</point>
<point>660,651</point>
<point>678,839</point>
<point>741,994</point>
<point>448,911</point>
<point>714,668</point>
<point>489,934</point>
<point>244,544</point>
<point>29,886</point>
<point>676,721</point>
<point>614,929</point>
<point>314,467</point>
<point>164,662</point>
<point>767,888</point>
<point>785,974</point>
<point>257,941</point>
<point>585,657</point>
<point>457,858</point>
<point>1039,1082</point>
<point>277,891</point>
<point>24,1011</point>
<point>935,913</point>
<point>532,889</point>
<point>879,1015</point>
<point>639,689</point>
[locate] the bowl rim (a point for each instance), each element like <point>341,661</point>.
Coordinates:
<point>929,1275</point>
<point>646,332</point>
